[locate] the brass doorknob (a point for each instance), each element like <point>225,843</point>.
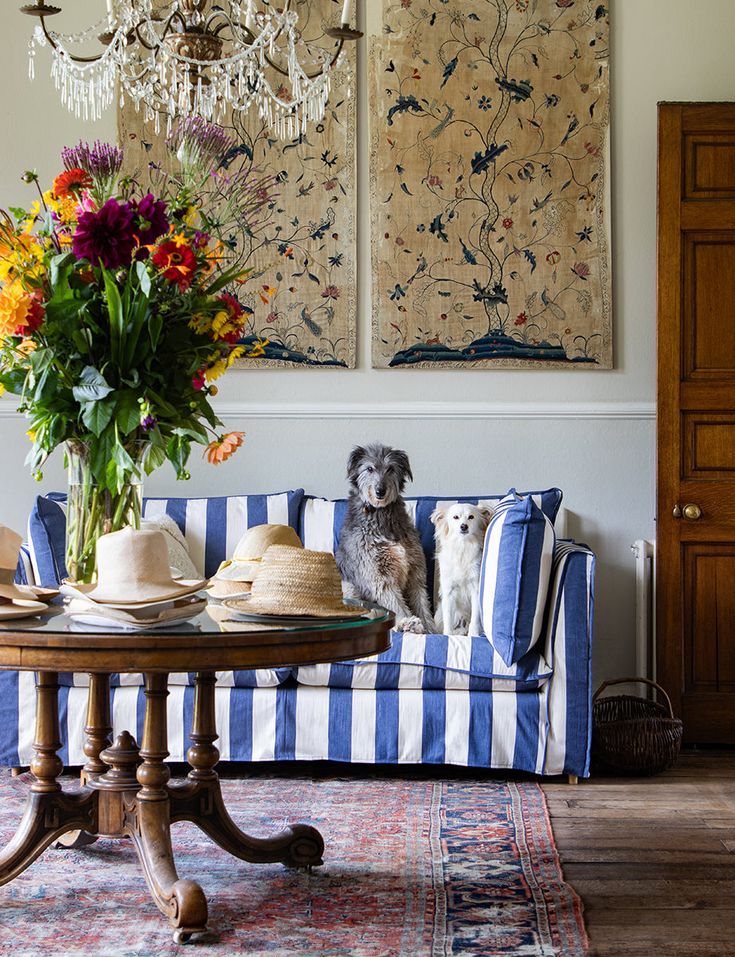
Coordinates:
<point>692,512</point>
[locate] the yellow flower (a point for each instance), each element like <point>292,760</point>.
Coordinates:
<point>2,389</point>
<point>27,346</point>
<point>31,435</point>
<point>191,216</point>
<point>179,239</point>
<point>201,324</point>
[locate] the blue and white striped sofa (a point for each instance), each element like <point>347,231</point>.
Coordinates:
<point>431,699</point>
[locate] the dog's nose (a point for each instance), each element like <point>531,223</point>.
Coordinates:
<point>463,527</point>
<point>380,490</point>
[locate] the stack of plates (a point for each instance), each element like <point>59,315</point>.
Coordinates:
<point>141,616</point>
<point>33,603</point>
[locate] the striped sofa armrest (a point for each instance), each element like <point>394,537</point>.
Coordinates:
<point>568,648</point>
<point>24,570</point>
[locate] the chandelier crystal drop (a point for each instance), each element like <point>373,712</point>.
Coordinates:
<point>191,57</point>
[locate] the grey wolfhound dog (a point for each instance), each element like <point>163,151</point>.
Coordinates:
<point>379,551</point>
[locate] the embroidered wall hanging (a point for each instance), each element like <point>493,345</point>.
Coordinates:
<point>302,291</point>
<point>489,148</point>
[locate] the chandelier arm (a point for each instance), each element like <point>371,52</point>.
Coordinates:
<point>167,26</point>
<point>54,46</point>
<point>316,73</point>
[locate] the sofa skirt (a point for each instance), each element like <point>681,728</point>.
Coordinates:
<point>502,730</point>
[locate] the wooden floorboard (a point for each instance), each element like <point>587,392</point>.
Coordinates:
<point>653,859</point>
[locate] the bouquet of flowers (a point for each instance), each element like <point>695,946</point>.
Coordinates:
<point>118,312</point>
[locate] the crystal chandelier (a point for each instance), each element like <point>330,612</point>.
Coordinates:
<point>191,57</point>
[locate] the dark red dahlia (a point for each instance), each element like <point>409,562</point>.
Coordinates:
<point>107,235</point>
<point>151,219</point>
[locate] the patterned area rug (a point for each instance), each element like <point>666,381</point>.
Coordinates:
<point>413,868</point>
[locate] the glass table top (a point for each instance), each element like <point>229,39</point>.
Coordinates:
<point>215,618</point>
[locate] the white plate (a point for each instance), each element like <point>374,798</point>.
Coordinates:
<point>175,612</point>
<point>26,610</point>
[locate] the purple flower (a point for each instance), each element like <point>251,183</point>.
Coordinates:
<point>151,219</point>
<point>106,236</point>
<point>198,144</point>
<point>99,159</point>
<point>148,423</point>
<point>102,161</point>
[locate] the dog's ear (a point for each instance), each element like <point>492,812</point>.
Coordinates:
<point>486,512</point>
<point>353,462</point>
<point>439,519</point>
<point>399,460</point>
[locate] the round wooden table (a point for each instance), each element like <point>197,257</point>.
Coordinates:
<point>125,790</point>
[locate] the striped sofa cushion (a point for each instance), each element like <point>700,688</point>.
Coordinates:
<point>432,662</point>
<point>321,518</point>
<point>514,576</point>
<point>211,526</point>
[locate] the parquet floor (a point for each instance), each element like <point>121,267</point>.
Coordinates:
<point>653,858</point>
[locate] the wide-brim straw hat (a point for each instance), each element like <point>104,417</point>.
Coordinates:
<point>249,551</point>
<point>133,570</point>
<point>223,588</point>
<point>298,581</point>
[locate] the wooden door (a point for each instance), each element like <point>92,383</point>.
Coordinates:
<point>696,416</point>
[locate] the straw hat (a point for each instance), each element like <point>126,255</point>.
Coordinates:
<point>298,581</point>
<point>224,588</point>
<point>14,599</point>
<point>249,551</point>
<point>133,570</point>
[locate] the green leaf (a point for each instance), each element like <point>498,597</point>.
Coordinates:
<point>154,458</point>
<point>93,386</point>
<point>115,311</point>
<point>127,416</point>
<point>144,279</point>
<point>96,415</point>
<point>60,267</point>
<point>155,325</point>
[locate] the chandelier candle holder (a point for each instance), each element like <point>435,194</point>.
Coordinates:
<point>194,57</point>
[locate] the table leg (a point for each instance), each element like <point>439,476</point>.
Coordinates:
<point>199,799</point>
<point>149,822</point>
<point>97,736</point>
<point>50,812</point>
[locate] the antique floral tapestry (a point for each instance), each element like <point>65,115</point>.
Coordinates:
<point>489,151</point>
<point>302,289</point>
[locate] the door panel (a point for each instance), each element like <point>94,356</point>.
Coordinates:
<point>696,417</point>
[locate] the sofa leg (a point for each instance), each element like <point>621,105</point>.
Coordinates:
<point>572,779</point>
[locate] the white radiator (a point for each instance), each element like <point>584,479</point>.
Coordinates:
<point>645,608</point>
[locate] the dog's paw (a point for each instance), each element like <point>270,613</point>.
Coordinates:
<point>412,624</point>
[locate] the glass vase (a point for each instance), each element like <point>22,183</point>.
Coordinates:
<point>92,511</point>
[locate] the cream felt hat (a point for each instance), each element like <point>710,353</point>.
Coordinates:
<point>133,570</point>
<point>249,551</point>
<point>298,581</point>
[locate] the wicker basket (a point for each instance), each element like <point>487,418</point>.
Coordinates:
<point>632,735</point>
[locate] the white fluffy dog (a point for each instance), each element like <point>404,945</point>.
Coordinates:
<point>459,536</point>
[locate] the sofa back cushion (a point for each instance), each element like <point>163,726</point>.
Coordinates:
<point>211,526</point>
<point>514,578</point>
<point>321,518</point>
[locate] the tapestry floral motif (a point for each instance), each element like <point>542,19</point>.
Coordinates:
<point>302,292</point>
<point>489,149</point>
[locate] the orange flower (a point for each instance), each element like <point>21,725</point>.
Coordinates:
<point>221,449</point>
<point>176,262</point>
<point>71,183</point>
